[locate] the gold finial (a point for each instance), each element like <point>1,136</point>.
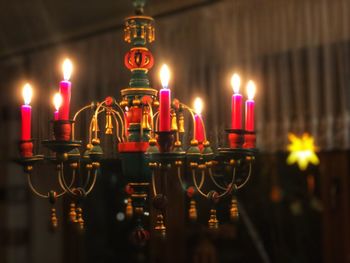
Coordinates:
<point>213,222</point>
<point>145,124</point>
<point>194,142</point>
<point>109,123</point>
<point>80,219</point>
<point>173,121</point>
<point>72,213</point>
<point>95,125</point>
<point>234,214</point>
<point>129,210</point>
<point>192,211</point>
<point>181,123</point>
<point>54,220</point>
<point>160,227</point>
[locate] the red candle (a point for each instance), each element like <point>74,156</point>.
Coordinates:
<point>236,106</point>
<point>57,102</point>
<point>65,90</point>
<point>26,112</point>
<point>164,110</point>
<point>164,100</point>
<point>198,121</point>
<point>249,107</point>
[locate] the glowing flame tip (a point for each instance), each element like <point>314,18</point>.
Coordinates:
<point>235,83</point>
<point>27,93</point>
<point>251,89</point>
<point>164,76</point>
<point>198,105</point>
<point>57,101</point>
<point>67,68</point>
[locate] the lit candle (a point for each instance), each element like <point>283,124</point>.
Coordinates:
<point>57,102</point>
<point>249,107</point>
<point>236,106</point>
<point>65,90</point>
<point>26,112</point>
<point>164,100</point>
<point>198,125</point>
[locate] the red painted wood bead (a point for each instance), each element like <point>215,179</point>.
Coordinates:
<point>138,58</point>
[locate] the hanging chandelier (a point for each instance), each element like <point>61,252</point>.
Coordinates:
<point>149,128</point>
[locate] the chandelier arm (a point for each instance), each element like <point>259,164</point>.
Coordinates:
<point>76,115</point>
<point>70,185</point>
<point>156,117</point>
<point>191,111</point>
<point>202,179</point>
<point>183,185</point>
<point>230,187</point>
<point>196,185</point>
<point>214,180</point>
<point>119,107</point>
<point>32,188</point>
<point>154,187</point>
<point>63,183</point>
<point>114,113</point>
<point>151,113</point>
<point>122,126</point>
<point>87,179</point>
<point>94,177</point>
<point>97,112</point>
<point>247,178</point>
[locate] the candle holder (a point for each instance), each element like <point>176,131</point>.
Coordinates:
<point>62,130</point>
<point>165,141</point>
<point>249,140</point>
<point>26,148</point>
<point>235,138</point>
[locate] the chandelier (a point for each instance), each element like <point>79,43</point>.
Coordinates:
<point>149,128</point>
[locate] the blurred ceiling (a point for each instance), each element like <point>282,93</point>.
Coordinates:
<point>29,25</point>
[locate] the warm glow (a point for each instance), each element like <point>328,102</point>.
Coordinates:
<point>198,105</point>
<point>302,151</point>
<point>27,93</point>
<point>235,83</point>
<point>67,68</point>
<point>57,101</point>
<point>251,89</point>
<point>164,76</point>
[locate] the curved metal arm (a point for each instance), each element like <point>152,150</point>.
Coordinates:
<point>76,115</point>
<point>32,188</point>
<point>94,177</point>
<point>114,114</point>
<point>154,187</point>
<point>214,181</point>
<point>247,178</point>
<point>196,184</point>
<point>36,192</point>
<point>190,110</point>
<point>183,185</point>
<point>62,181</point>
<point>228,190</point>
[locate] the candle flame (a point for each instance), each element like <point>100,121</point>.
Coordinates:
<point>251,89</point>
<point>27,93</point>
<point>235,83</point>
<point>67,68</point>
<point>57,101</point>
<point>198,105</point>
<point>164,76</point>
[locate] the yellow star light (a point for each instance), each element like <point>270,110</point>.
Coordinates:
<point>302,151</point>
